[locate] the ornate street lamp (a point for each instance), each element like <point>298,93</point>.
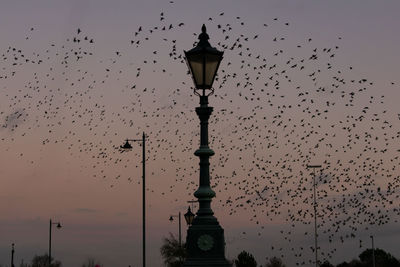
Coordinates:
<point>127,146</point>
<point>205,242</point>
<point>58,227</point>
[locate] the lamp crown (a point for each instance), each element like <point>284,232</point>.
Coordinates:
<point>203,37</point>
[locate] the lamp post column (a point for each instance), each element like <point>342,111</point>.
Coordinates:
<point>204,193</point>
<point>205,242</point>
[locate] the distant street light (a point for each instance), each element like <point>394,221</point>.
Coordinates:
<point>315,213</point>
<point>171,219</point>
<point>58,227</point>
<point>205,242</point>
<point>127,146</point>
<point>373,251</point>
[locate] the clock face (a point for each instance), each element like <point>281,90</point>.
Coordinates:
<point>205,242</point>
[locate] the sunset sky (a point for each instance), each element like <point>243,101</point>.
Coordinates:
<point>327,94</point>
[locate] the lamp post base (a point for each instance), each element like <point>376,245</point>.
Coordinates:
<point>206,244</point>
<point>208,263</point>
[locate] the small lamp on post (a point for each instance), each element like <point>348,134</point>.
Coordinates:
<point>189,216</point>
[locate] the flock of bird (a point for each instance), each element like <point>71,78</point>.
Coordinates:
<point>280,103</point>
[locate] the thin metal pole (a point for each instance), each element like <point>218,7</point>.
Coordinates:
<point>144,198</point>
<point>180,232</point>
<point>373,251</point>
<point>315,222</point>
<point>315,214</point>
<point>12,255</point>
<point>50,243</point>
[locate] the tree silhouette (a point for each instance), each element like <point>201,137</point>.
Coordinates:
<point>245,259</point>
<point>43,261</point>
<point>326,264</point>
<point>172,253</point>
<point>90,262</point>
<point>382,258</point>
<point>355,263</point>
<point>275,262</point>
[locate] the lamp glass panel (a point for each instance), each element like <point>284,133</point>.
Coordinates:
<point>189,216</point>
<point>196,66</point>
<point>212,62</point>
<point>191,219</point>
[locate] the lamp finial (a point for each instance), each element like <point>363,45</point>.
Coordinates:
<point>203,37</point>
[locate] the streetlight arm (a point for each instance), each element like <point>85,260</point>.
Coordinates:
<point>313,166</point>
<point>143,139</point>
<point>134,140</point>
